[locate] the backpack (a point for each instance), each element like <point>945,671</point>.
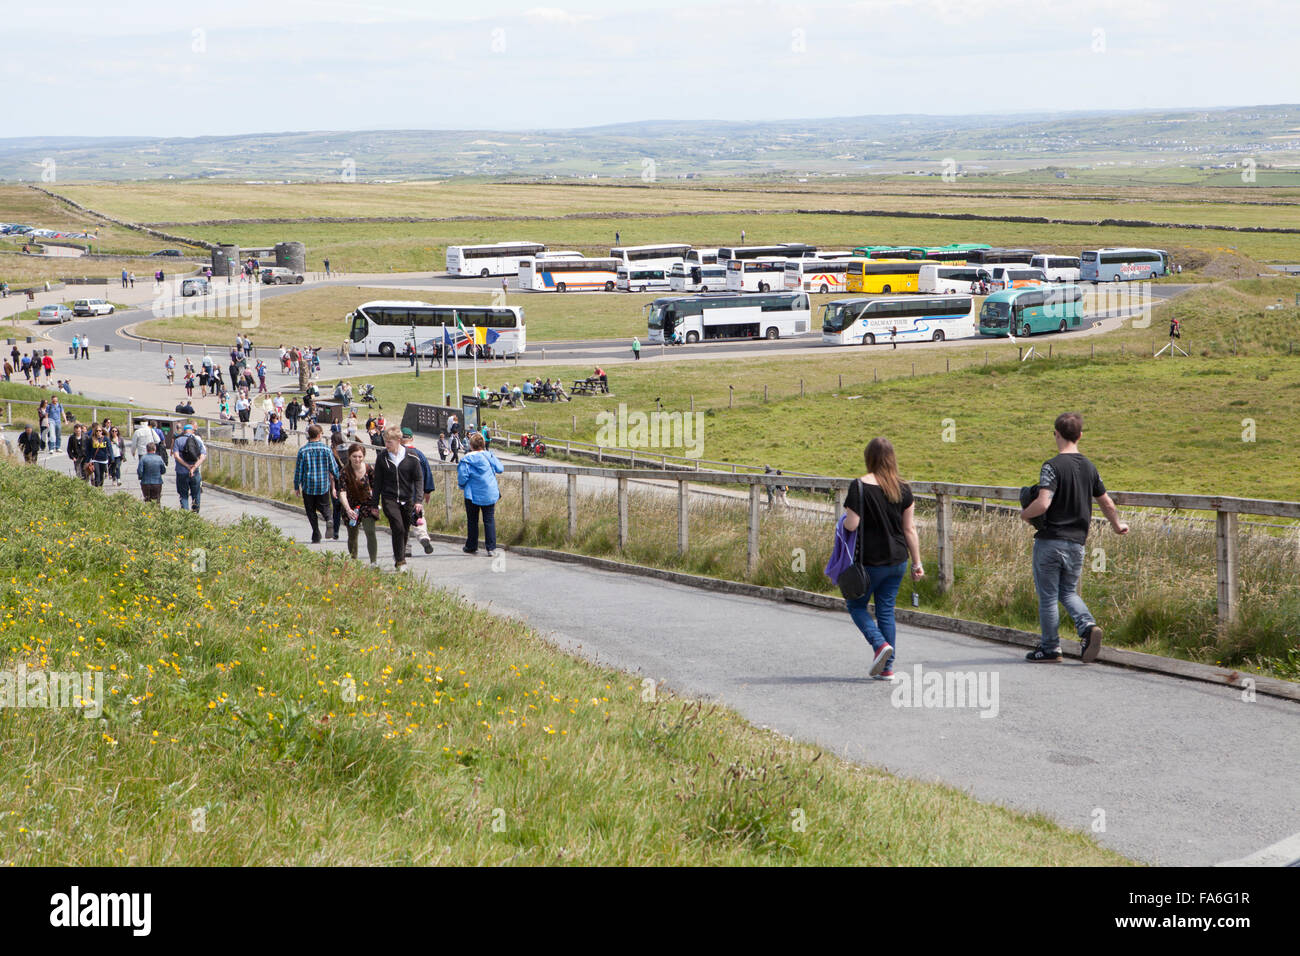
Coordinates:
<point>185,450</point>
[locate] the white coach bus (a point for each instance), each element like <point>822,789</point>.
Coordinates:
<point>817,275</point>
<point>690,319</point>
<point>898,319</point>
<point>663,256</point>
<point>568,275</point>
<point>497,259</point>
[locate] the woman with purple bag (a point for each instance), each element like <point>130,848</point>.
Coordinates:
<point>878,513</point>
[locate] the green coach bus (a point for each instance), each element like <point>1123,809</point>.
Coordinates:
<point>1034,309</point>
<point>955,253</point>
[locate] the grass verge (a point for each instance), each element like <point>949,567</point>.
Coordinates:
<point>229,655</point>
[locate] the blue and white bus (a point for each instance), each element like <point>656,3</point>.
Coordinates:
<point>1122,265</point>
<point>898,319</point>
<point>385,327</point>
<point>568,275</point>
<point>690,319</point>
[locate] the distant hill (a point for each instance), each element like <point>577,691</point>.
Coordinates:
<point>666,149</point>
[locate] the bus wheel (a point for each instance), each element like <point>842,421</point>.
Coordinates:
<point>483,273</point>
<point>938,335</point>
<point>1062,326</point>
<point>386,349</point>
<point>561,287</point>
<point>824,289</point>
<point>1153,276</point>
<point>692,337</point>
<point>773,334</point>
<point>609,287</point>
<point>1024,329</point>
<point>704,288</point>
<point>868,339</point>
<point>762,287</point>
<point>885,289</point>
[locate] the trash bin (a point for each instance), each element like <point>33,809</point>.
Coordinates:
<point>108,348</point>
<point>329,413</point>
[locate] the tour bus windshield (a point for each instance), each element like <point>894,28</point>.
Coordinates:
<point>836,315</point>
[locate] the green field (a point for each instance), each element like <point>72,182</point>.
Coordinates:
<point>264,705</point>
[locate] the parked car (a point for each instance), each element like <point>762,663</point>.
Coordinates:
<point>92,307</point>
<point>166,252</point>
<point>195,285</point>
<point>279,275</point>
<point>54,315</point>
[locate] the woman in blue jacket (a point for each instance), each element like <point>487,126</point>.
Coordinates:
<point>477,475</point>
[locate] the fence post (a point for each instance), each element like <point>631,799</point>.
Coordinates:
<point>751,562</point>
<point>243,470</point>
<point>943,530</point>
<point>573,505</point>
<point>448,479</point>
<point>683,517</point>
<point>284,481</point>
<point>255,485</point>
<point>208,425</point>
<point>1225,547</point>
<point>622,512</point>
<point>523,497</point>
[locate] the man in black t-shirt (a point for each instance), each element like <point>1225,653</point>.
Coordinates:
<point>1067,486</point>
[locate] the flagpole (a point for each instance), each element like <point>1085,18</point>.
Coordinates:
<point>442,361</point>
<point>456,353</point>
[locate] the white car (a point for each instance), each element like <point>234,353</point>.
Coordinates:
<point>92,307</point>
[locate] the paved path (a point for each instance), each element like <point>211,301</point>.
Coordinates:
<point>1180,772</point>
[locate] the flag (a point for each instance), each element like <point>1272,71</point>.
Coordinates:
<point>480,335</point>
<point>457,341</point>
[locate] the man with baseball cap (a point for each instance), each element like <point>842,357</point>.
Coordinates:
<point>190,454</point>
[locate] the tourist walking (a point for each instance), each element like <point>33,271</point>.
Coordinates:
<point>314,478</point>
<point>189,453</point>
<point>85,346</point>
<point>116,452</point>
<point>398,490</point>
<point>29,443</point>
<point>879,508</point>
<point>99,456</point>
<point>150,470</point>
<point>55,415</point>
<point>79,451</point>
<point>355,491</point>
<point>477,476</point>
<point>1067,486</point>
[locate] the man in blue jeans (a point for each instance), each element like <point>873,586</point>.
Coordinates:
<point>56,424</point>
<point>1067,485</point>
<point>189,455</point>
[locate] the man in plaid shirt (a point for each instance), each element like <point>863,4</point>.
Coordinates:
<point>314,478</point>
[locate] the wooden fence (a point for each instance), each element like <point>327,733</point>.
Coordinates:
<point>268,473</point>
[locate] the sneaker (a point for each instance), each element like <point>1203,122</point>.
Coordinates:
<point>881,659</point>
<point>315,539</point>
<point>428,546</point>
<point>408,552</point>
<point>886,674</point>
<point>470,550</point>
<point>491,553</point>
<point>401,568</point>
<point>1091,642</point>
<point>1040,656</point>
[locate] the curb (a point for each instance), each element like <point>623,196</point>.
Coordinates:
<point>1133,660</point>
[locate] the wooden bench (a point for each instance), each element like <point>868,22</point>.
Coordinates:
<point>590,386</point>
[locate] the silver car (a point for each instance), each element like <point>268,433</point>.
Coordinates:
<point>54,315</point>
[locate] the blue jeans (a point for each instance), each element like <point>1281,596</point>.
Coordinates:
<point>56,435</point>
<point>885,580</point>
<point>188,485</point>
<point>1057,567</point>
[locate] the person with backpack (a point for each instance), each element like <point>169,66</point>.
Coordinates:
<point>190,454</point>
<point>879,508</point>
<point>1067,486</point>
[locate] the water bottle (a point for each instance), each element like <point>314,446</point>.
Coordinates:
<point>916,599</point>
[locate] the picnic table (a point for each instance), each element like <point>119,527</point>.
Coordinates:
<point>590,386</point>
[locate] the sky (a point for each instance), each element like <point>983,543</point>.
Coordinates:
<point>140,67</point>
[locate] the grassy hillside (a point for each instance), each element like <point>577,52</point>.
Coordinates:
<point>265,705</point>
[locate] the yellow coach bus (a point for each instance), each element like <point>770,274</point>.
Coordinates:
<point>883,276</point>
